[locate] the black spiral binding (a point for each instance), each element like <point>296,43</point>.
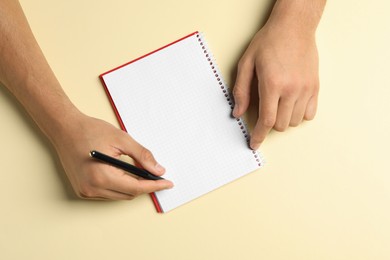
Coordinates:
<point>228,96</point>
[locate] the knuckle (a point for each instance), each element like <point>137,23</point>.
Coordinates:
<point>307,87</point>
<point>286,87</point>
<point>268,121</point>
<point>275,81</point>
<point>316,83</point>
<point>316,88</point>
<point>146,155</point>
<point>280,127</point>
<point>292,88</point>
<point>238,92</point>
<point>86,192</point>
<point>289,90</point>
<point>96,179</point>
<point>257,139</point>
<point>136,191</point>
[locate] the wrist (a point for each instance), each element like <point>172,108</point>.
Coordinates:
<point>65,127</point>
<point>296,17</point>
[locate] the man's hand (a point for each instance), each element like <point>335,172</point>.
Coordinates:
<point>283,56</point>
<point>92,179</point>
<point>26,73</point>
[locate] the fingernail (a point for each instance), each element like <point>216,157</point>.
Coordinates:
<point>235,110</point>
<point>255,146</point>
<point>171,185</point>
<point>159,168</point>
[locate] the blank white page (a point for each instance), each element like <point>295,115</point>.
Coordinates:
<point>175,103</point>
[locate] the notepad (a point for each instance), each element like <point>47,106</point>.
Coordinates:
<point>175,102</point>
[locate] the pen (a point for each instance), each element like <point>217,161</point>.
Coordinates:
<point>124,166</point>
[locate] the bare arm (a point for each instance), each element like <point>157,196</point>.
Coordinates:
<point>283,56</point>
<point>26,73</point>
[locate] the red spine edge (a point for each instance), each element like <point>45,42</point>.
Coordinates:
<point>113,104</point>
<point>152,195</point>
<point>156,202</point>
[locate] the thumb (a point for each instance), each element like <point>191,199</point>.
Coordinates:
<point>142,156</point>
<point>241,89</point>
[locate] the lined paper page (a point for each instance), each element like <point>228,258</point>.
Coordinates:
<point>171,102</point>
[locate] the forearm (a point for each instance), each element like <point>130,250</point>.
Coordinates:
<point>26,73</point>
<point>298,16</point>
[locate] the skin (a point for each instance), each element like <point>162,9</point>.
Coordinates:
<point>282,56</point>
<point>26,73</point>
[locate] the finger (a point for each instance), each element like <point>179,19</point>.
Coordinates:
<point>113,195</point>
<point>142,155</point>
<point>285,110</point>
<point>266,121</point>
<point>311,108</point>
<point>241,89</point>
<point>96,190</point>
<point>126,184</point>
<point>298,112</point>
<point>147,186</point>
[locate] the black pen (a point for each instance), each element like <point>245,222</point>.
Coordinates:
<point>124,166</point>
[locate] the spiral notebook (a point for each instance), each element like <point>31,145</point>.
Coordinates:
<point>175,102</point>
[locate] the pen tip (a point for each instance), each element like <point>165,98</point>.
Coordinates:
<point>91,153</point>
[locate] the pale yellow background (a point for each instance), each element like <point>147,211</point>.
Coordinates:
<point>324,193</point>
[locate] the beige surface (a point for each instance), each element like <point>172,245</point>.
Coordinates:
<point>324,193</point>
